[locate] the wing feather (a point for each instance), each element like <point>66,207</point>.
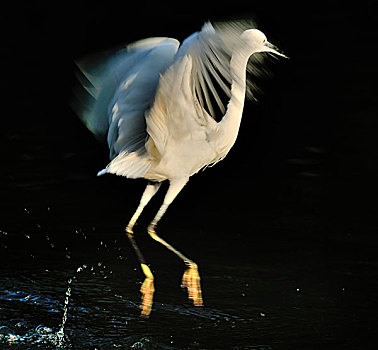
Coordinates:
<point>149,92</point>
<point>189,87</point>
<point>121,88</point>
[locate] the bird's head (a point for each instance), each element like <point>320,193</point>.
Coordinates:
<point>256,41</point>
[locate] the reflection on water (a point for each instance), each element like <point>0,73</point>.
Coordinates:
<point>94,311</point>
<point>273,277</point>
<point>293,291</point>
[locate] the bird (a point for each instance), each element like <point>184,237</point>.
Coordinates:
<point>155,103</point>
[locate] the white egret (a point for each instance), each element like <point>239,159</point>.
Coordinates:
<point>153,103</point>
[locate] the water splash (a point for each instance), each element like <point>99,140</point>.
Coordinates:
<point>52,336</point>
<point>60,333</point>
<point>28,334</point>
<point>40,336</point>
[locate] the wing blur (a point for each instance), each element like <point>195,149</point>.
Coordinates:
<point>188,89</point>
<point>120,88</point>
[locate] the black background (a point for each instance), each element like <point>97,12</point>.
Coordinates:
<point>311,138</point>
<point>304,164</point>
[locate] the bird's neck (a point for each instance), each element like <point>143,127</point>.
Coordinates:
<point>230,123</point>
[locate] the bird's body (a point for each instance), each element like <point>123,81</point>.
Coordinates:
<point>153,103</point>
<point>175,132</point>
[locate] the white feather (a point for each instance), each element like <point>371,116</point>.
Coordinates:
<point>155,106</point>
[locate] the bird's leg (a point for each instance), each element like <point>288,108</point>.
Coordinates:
<point>148,193</point>
<point>147,288</point>
<point>191,279</point>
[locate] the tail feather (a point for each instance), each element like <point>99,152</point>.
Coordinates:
<point>132,165</point>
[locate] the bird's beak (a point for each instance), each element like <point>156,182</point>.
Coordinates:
<point>273,49</point>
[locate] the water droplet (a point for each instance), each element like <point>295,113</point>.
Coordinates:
<point>60,334</point>
<point>43,329</point>
<point>12,338</point>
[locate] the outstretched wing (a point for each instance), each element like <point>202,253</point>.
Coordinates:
<point>120,88</point>
<point>200,74</point>
<point>211,51</point>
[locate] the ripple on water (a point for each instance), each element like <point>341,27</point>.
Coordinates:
<point>41,336</point>
<point>103,314</point>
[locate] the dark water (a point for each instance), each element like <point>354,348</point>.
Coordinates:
<point>272,297</point>
<point>272,277</point>
<point>277,271</point>
<point>284,230</point>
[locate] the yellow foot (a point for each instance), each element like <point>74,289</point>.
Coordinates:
<point>191,280</point>
<point>147,291</point>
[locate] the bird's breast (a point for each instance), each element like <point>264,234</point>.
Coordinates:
<point>184,157</point>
